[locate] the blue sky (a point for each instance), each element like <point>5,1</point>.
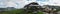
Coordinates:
<point>43,0</point>
<point>22,3</point>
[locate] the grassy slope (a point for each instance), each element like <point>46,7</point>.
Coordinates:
<point>17,12</point>
<point>22,12</point>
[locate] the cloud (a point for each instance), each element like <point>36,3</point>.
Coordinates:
<point>22,3</point>
<point>54,2</point>
<point>11,4</point>
<point>50,2</point>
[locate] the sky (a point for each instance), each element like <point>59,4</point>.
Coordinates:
<point>22,3</point>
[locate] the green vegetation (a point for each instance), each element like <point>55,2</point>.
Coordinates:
<point>40,12</point>
<point>17,11</point>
